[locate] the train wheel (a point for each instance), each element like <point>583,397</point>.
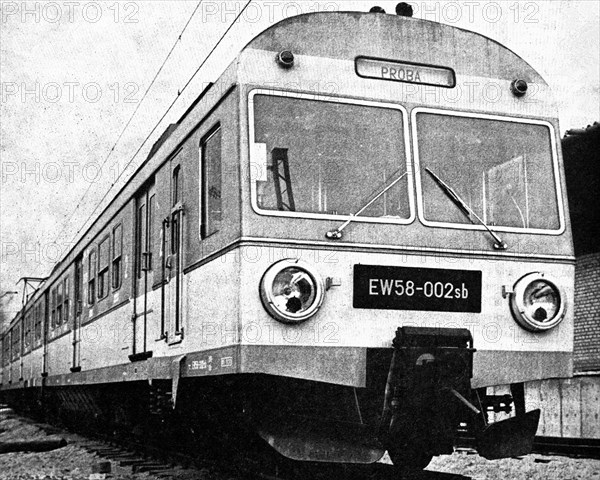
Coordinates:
<point>409,444</point>
<point>409,457</point>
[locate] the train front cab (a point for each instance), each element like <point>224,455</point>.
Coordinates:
<point>408,234</point>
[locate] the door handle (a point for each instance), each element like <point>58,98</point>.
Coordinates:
<point>146,261</point>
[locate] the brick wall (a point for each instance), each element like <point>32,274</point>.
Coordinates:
<point>587,314</point>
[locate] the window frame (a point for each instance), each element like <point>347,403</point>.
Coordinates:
<point>91,280</point>
<point>27,321</point>
<point>15,340</point>
<point>496,228</point>
<point>6,348</point>
<point>205,232</point>
<point>38,322</point>
<point>103,274</point>
<point>176,185</point>
<point>408,164</point>
<point>66,303</point>
<point>150,214</point>
<point>140,236</point>
<point>59,303</point>
<point>53,297</point>
<point>117,260</point>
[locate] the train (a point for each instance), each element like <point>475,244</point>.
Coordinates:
<point>343,242</point>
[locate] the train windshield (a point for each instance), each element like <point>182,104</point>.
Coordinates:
<point>329,158</point>
<point>503,171</point>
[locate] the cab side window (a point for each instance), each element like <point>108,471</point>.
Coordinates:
<point>211,182</point>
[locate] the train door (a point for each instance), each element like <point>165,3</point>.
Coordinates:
<point>144,213</point>
<point>77,309</point>
<point>172,258</point>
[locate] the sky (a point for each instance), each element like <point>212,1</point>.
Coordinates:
<point>73,74</point>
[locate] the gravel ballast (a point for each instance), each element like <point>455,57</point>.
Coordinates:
<point>73,462</point>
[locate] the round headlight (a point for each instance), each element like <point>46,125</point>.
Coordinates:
<point>538,303</point>
<point>291,291</point>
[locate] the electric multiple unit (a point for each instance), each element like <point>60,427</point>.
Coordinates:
<point>360,226</point>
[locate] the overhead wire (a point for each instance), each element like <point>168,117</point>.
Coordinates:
<point>110,152</point>
<point>179,92</point>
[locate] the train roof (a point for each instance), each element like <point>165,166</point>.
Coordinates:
<point>330,48</point>
<point>343,35</point>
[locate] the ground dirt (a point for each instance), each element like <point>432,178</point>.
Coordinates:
<point>73,462</point>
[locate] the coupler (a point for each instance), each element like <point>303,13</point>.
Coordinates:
<point>428,396</point>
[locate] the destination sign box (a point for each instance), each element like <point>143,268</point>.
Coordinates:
<point>405,72</point>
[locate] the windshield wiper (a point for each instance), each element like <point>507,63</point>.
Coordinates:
<point>336,233</point>
<point>466,210</point>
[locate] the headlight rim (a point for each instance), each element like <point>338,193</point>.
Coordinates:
<point>519,309</point>
<point>267,297</point>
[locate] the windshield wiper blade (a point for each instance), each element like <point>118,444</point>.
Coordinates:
<point>336,233</point>
<point>466,210</point>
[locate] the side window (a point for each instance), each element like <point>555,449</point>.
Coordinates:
<point>16,341</point>
<point>103,256</point>
<point>66,302</point>
<point>27,335</point>
<point>91,277</point>
<point>151,208</point>
<point>140,238</point>
<point>19,340</point>
<point>6,348</point>
<point>38,322</point>
<point>7,338</point>
<point>176,187</point>
<point>53,308</point>
<point>211,183</point>
<point>59,301</point>
<point>117,249</point>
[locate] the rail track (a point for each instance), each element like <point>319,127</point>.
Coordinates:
<point>162,461</point>
<point>174,464</point>
<point>161,469</point>
<point>571,447</point>
<point>552,446</point>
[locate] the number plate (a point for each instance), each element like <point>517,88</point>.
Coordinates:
<point>404,288</point>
